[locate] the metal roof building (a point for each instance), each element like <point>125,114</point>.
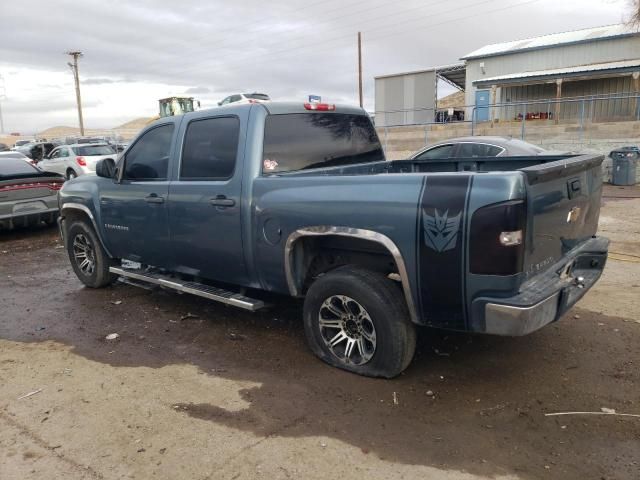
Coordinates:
<point>547,77</point>
<point>593,62</point>
<point>411,97</point>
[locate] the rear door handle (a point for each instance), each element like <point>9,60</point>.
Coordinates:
<point>222,201</point>
<point>153,198</point>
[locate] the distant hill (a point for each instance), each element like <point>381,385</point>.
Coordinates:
<point>127,130</point>
<point>59,131</point>
<point>454,100</point>
<point>136,124</point>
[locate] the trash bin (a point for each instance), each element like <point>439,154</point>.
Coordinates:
<point>625,163</point>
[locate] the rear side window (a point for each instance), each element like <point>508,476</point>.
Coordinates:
<point>470,150</point>
<point>148,158</point>
<point>442,151</point>
<point>210,149</point>
<point>302,141</point>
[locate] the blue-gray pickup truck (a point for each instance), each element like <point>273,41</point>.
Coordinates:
<point>299,200</point>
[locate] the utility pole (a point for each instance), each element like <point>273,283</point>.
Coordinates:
<point>3,95</point>
<point>360,68</point>
<point>76,77</point>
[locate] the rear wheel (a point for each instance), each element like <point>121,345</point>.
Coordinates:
<point>357,320</point>
<point>89,260</point>
<point>71,174</point>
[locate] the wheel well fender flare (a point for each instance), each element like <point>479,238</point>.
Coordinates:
<point>293,282</point>
<point>86,212</point>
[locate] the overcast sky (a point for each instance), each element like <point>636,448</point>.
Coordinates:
<point>136,52</point>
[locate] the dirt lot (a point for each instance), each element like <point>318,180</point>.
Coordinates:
<point>224,394</point>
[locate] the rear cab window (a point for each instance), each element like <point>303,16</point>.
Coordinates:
<point>303,141</point>
<point>257,96</point>
<point>90,150</point>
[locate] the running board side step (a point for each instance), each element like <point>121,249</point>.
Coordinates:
<point>206,291</point>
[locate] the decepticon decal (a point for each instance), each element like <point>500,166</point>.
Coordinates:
<point>440,231</point>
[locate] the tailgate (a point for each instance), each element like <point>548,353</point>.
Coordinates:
<point>563,203</point>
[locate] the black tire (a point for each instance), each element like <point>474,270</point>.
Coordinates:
<point>78,235</point>
<point>71,174</point>
<point>383,316</point>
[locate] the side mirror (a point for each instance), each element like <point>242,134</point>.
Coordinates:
<point>219,104</point>
<point>106,168</point>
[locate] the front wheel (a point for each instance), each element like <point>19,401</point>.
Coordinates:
<point>89,260</point>
<point>357,320</point>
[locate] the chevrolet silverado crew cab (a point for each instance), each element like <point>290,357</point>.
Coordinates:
<point>298,199</point>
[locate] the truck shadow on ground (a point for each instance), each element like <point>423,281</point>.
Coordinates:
<point>466,402</point>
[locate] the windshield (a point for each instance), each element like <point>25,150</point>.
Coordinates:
<point>303,141</point>
<point>90,150</point>
<point>175,106</point>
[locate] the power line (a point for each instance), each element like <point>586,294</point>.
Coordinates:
<point>279,53</point>
<point>343,27</point>
<point>262,25</point>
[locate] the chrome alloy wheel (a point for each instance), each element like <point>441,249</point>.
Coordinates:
<point>347,330</point>
<point>84,254</point>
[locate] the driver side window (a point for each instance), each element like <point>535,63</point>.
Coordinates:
<point>148,158</point>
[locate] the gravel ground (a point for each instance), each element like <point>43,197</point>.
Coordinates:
<point>192,389</point>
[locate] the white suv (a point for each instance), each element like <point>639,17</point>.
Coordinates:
<point>78,159</point>
<point>245,98</point>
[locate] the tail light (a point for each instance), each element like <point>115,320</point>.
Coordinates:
<point>53,186</point>
<point>497,239</point>
<point>81,161</point>
<point>320,107</point>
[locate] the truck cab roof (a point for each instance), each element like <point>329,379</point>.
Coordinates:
<point>273,108</point>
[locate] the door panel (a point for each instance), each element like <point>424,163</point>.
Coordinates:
<point>482,105</point>
<point>134,211</point>
<point>205,202</point>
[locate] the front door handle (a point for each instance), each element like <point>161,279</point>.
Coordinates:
<point>153,198</point>
<point>222,201</point>
<point>575,188</point>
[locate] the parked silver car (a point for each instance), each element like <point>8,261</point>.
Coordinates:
<point>28,195</point>
<point>480,146</point>
<point>77,159</point>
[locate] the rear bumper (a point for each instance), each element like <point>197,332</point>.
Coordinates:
<point>545,298</point>
<point>28,219</point>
